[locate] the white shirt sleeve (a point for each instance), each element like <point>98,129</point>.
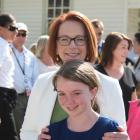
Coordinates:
<point>39,108</point>
<point>3,51</point>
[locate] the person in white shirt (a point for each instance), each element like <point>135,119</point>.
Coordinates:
<point>71,38</point>
<point>26,72</point>
<point>8,95</point>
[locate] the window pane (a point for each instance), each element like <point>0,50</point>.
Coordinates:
<point>51,2</point>
<point>50,13</point>
<point>58,12</point>
<point>66,3</point>
<point>58,3</point>
<point>55,8</point>
<point>65,10</point>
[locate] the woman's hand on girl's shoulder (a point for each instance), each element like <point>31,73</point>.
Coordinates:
<point>44,134</point>
<point>120,135</point>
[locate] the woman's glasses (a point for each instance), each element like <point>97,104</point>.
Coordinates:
<point>12,28</point>
<point>21,34</point>
<point>66,40</point>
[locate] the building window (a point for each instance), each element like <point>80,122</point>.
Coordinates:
<point>57,7</point>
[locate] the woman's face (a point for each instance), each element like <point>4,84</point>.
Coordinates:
<point>121,51</point>
<point>71,51</point>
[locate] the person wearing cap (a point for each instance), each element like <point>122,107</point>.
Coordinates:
<point>8,95</point>
<point>26,72</point>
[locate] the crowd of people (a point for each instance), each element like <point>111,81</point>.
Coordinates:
<point>70,84</point>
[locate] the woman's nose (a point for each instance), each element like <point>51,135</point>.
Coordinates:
<point>72,44</point>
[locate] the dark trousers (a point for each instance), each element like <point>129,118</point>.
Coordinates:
<point>19,111</point>
<point>7,123</point>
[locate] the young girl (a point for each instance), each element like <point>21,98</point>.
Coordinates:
<point>77,85</point>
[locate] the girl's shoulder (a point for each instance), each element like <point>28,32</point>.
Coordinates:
<point>57,126</point>
<point>108,124</point>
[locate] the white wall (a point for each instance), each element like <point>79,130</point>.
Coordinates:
<point>133,3</point>
<point>133,20</point>
<point>111,12</point>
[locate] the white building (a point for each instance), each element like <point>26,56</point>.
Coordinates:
<point>117,15</point>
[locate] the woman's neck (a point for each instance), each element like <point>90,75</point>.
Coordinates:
<point>115,70</point>
<point>82,123</point>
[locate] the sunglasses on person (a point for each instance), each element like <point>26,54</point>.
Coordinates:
<point>21,34</point>
<point>12,28</point>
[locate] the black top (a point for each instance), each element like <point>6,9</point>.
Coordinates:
<point>127,83</point>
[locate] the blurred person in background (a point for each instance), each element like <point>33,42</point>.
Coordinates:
<point>133,53</point>
<point>131,58</point>
<point>8,95</point>
<point>99,30</point>
<point>137,65</point>
<point>26,72</point>
<point>114,54</point>
<point>32,48</point>
<point>44,60</point>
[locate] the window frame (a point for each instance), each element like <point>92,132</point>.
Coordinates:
<point>46,19</point>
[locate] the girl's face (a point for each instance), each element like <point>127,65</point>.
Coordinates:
<point>71,51</point>
<point>74,97</point>
<point>136,47</point>
<point>121,51</point>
